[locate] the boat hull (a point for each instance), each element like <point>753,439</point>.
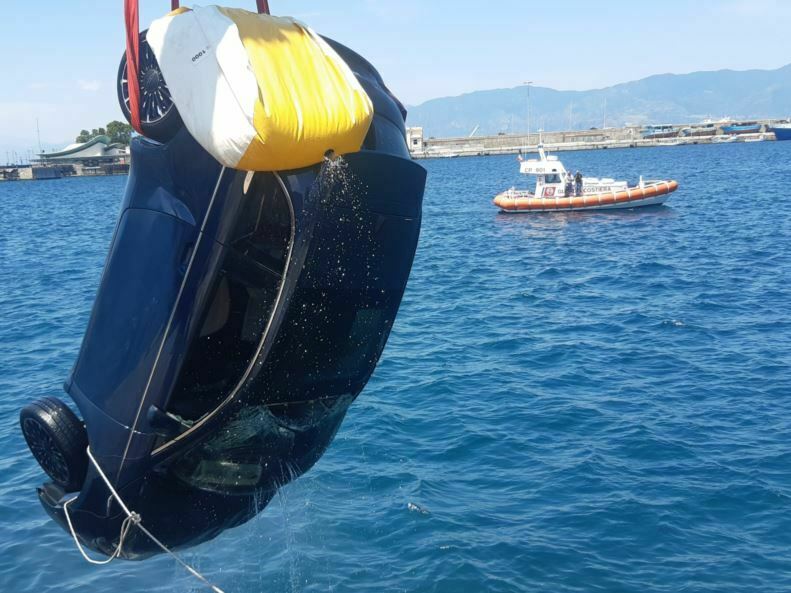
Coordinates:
<point>746,129</point>
<point>782,133</point>
<point>650,195</point>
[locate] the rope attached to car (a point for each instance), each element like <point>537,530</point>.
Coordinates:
<point>131,519</point>
<point>132,22</point>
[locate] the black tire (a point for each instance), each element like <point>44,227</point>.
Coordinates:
<point>159,118</point>
<point>58,441</point>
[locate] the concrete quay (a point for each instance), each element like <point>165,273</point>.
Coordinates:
<point>626,137</point>
<point>28,172</point>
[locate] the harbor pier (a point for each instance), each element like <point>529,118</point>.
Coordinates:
<point>594,138</point>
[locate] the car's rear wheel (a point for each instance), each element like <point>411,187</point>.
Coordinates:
<point>58,441</point>
<point>159,118</point>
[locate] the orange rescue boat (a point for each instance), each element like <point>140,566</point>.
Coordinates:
<point>557,189</point>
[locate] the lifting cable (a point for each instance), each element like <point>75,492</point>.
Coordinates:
<point>132,518</point>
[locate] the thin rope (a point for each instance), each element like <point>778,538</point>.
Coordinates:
<point>125,526</point>
<point>132,518</point>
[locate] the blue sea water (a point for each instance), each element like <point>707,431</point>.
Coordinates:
<point>577,402</point>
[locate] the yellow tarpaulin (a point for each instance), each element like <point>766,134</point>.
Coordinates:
<point>260,93</point>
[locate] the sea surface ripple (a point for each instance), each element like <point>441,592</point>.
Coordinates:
<point>569,402</point>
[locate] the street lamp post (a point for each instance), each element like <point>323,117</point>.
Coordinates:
<point>528,83</point>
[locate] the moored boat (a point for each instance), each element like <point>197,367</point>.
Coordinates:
<point>697,131</point>
<point>555,190</point>
<point>657,132</point>
<point>758,138</point>
<point>723,138</point>
<point>781,131</point>
<point>742,129</point>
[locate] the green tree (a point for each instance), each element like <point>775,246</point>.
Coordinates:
<point>119,132</point>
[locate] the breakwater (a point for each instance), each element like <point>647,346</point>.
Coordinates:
<point>28,172</point>
<point>597,138</point>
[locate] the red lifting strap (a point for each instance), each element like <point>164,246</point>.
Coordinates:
<point>132,22</point>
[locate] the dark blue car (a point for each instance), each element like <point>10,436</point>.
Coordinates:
<point>238,316</point>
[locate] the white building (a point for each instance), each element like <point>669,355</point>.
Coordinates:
<point>97,152</point>
<point>414,140</point>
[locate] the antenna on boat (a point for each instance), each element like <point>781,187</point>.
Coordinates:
<point>38,134</point>
<point>541,152</point>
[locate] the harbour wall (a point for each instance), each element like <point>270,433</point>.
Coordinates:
<point>626,137</point>
<point>28,172</point>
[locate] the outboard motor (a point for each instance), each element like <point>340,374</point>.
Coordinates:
<point>238,316</point>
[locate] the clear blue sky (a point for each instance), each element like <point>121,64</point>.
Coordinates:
<point>59,58</point>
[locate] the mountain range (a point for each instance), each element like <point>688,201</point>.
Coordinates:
<point>664,98</point>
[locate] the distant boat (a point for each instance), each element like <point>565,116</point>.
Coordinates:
<point>782,131</point>
<point>555,190</point>
<point>723,139</point>
<point>742,129</point>
<point>693,132</point>
<point>659,131</point>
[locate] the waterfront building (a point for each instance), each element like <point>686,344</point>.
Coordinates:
<point>97,156</point>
